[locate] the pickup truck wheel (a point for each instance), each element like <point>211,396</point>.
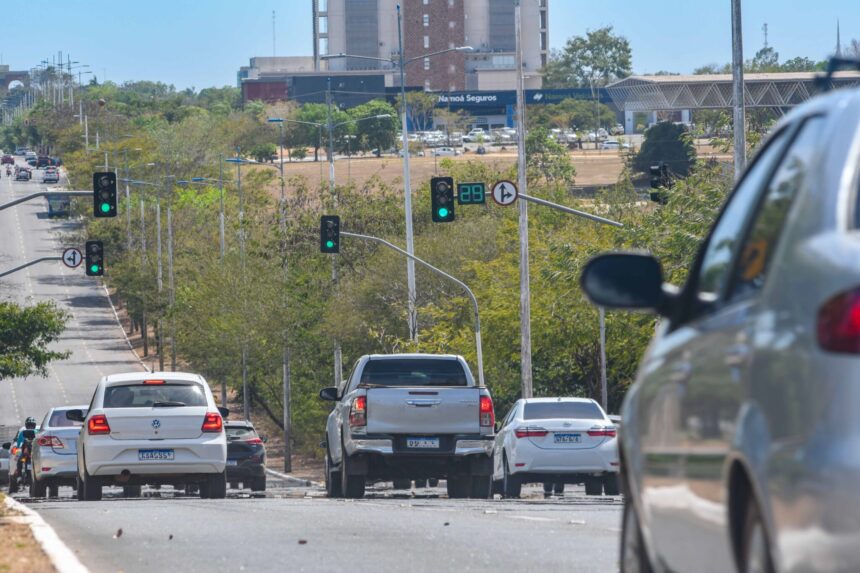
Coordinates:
<point>419,483</point>
<point>351,486</point>
<point>610,484</point>
<point>459,487</point>
<point>511,485</point>
<point>332,478</point>
<point>53,491</point>
<point>482,487</point>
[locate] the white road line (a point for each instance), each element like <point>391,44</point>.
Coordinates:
<point>62,558</point>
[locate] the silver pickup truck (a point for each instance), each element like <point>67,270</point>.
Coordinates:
<point>409,417</point>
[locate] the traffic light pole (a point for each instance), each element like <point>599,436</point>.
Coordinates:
<point>26,198</point>
<point>29,264</point>
<point>480,354</point>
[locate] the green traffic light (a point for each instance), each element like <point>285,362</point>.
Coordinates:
<point>329,244</point>
<point>105,208</point>
<point>94,268</point>
<point>443,212</point>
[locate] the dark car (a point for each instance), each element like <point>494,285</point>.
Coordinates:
<point>246,456</point>
<point>7,160</point>
<point>32,162</point>
<point>43,161</point>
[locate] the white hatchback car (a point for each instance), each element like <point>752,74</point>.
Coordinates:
<point>151,428</point>
<point>556,441</point>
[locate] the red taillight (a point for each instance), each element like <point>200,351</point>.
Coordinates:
<point>151,382</point>
<point>213,422</point>
<point>487,415</point>
<point>530,432</point>
<point>597,432</point>
<point>358,412</point>
<point>254,441</point>
<point>51,441</point>
<point>839,323</point>
<point>98,424</point>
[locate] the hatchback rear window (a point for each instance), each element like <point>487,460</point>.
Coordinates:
<point>553,410</point>
<point>154,395</point>
<point>414,372</point>
<point>240,433</point>
<point>59,420</point>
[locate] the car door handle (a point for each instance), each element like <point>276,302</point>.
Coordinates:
<point>423,403</point>
<point>680,372</point>
<point>737,354</point>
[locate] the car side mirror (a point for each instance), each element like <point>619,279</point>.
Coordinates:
<point>29,434</point>
<point>632,281</point>
<point>6,445</point>
<point>329,394</point>
<point>75,415</point>
<point>224,411</point>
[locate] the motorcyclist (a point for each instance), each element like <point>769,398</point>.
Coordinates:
<point>29,424</point>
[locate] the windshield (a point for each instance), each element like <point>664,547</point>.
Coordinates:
<point>147,396</point>
<point>568,410</point>
<point>240,433</point>
<point>59,420</point>
<point>414,372</point>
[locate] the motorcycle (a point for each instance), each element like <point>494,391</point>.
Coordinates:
<point>24,473</point>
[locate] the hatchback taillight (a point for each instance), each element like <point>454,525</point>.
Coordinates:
<point>51,442</point>
<point>98,424</point>
<point>213,422</point>
<point>530,432</point>
<point>839,323</point>
<point>598,431</point>
<point>254,441</point>
<point>486,413</point>
<point>358,412</point>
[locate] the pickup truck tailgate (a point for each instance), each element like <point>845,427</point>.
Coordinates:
<point>422,410</point>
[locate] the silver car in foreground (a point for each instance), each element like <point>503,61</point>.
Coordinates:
<point>740,446</point>
<point>55,449</point>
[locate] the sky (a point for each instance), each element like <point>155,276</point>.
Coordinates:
<point>202,43</point>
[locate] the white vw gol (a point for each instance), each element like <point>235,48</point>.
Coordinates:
<point>151,428</point>
<point>556,441</point>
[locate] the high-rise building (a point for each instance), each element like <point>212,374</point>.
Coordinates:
<point>369,28</point>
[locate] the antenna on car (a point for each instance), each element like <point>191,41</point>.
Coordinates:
<point>824,82</point>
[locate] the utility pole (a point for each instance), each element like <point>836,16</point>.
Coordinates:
<point>525,289</point>
<point>171,284</point>
<point>338,357</point>
<point>738,90</point>
<point>285,358</point>
<point>246,404</point>
<point>143,325</point>
<point>127,199</point>
<point>160,282</point>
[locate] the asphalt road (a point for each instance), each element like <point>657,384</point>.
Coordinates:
<point>290,528</point>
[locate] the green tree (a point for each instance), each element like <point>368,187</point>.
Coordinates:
<point>547,159</point>
<point>571,114</point>
<point>379,133</point>
<point>668,143</point>
<point>263,151</point>
<point>25,333</point>
<point>598,58</point>
<point>419,109</point>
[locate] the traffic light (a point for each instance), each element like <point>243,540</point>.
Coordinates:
<point>104,194</point>
<point>329,234</point>
<point>94,259</point>
<point>442,199</point>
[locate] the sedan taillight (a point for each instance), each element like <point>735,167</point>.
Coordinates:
<point>51,442</point>
<point>530,432</point>
<point>358,412</point>
<point>98,424</point>
<point>839,323</point>
<point>212,422</point>
<point>605,432</point>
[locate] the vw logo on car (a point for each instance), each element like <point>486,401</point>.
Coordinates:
<point>156,424</point>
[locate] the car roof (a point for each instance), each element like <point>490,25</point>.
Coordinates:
<point>238,424</point>
<point>559,399</point>
<point>414,355</point>
<point>64,408</point>
<point>112,379</point>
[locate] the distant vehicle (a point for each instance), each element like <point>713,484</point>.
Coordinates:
<point>616,145</point>
<point>409,417</point>
<point>475,136</point>
<point>23,174</point>
<point>58,205</point>
<point>151,428</point>
<point>21,150</point>
<point>51,176</point>
<point>616,129</point>
<point>411,153</point>
<point>7,160</point>
<point>246,456</point>
<point>31,161</point>
<point>481,150</point>
<point>446,152</point>
<point>43,161</point>
<point>28,155</point>
<point>55,458</point>
<point>739,437</point>
<point>556,441</point>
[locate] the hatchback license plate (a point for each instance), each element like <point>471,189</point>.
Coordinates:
<point>232,462</point>
<point>568,438</point>
<point>422,443</point>
<point>155,455</point>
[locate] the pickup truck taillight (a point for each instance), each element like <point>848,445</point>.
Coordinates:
<point>839,323</point>
<point>486,412</point>
<point>358,412</point>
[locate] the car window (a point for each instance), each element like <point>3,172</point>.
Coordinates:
<point>240,432</point>
<point>413,372</point>
<point>715,266</point>
<point>146,396</point>
<point>555,410</point>
<point>761,242</point>
<point>59,420</point>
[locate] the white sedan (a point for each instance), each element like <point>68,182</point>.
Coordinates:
<point>555,441</point>
<point>151,428</point>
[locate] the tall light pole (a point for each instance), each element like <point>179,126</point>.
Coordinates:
<point>740,143</point>
<point>245,393</point>
<point>402,62</point>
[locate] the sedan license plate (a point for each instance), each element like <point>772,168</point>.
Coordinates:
<point>232,462</point>
<point>568,438</point>
<point>422,443</point>
<point>154,455</point>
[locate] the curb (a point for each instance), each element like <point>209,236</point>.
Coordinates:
<point>293,480</point>
<point>62,558</point>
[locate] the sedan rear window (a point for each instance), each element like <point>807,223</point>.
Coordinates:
<point>414,372</point>
<point>554,410</point>
<point>155,395</point>
<point>59,420</point>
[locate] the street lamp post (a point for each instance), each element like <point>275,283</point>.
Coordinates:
<point>245,394</point>
<point>402,62</point>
